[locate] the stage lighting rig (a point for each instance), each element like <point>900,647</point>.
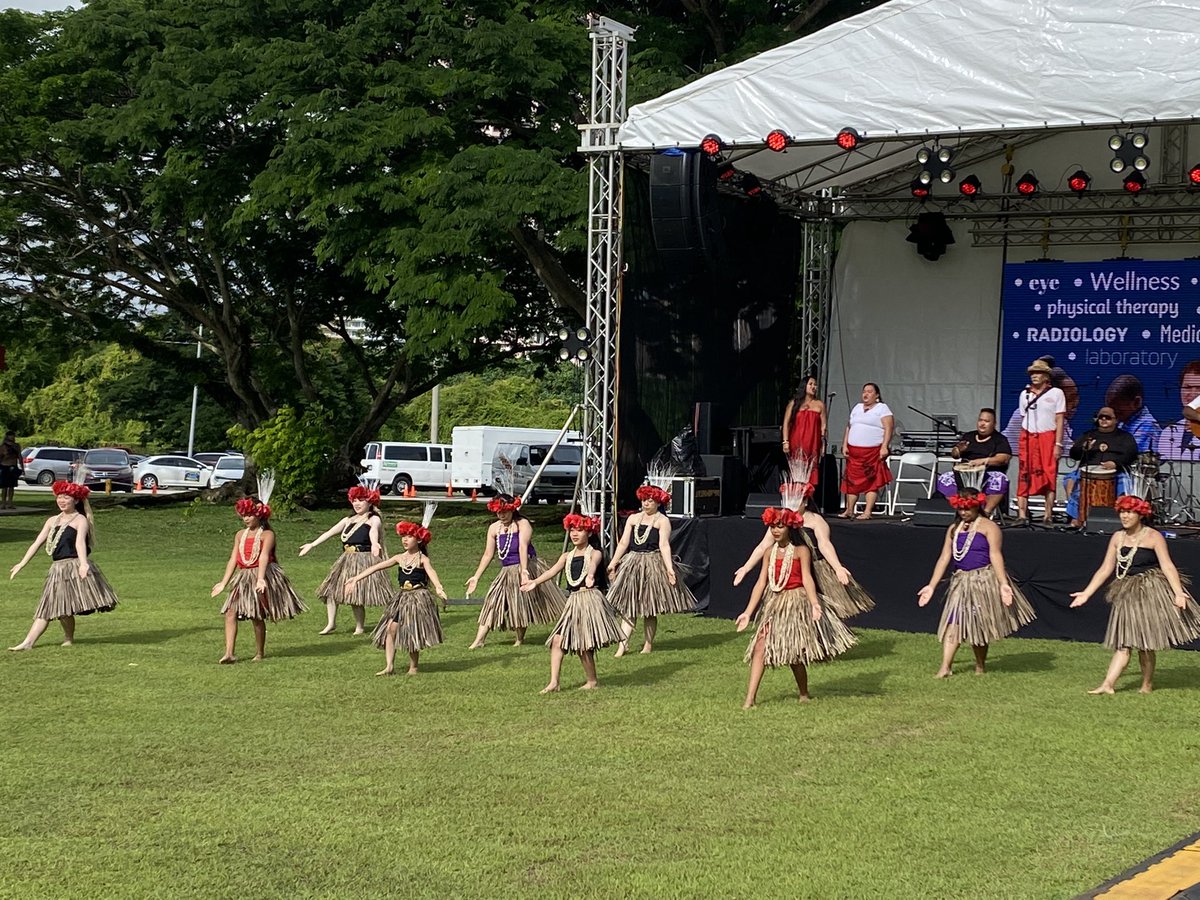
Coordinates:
<point>848,139</point>
<point>920,189</point>
<point>1079,182</point>
<point>935,164</point>
<point>711,145</point>
<point>726,172</point>
<point>778,140</point>
<point>1027,185</point>
<point>931,234</point>
<point>576,344</point>
<point>751,186</point>
<point>970,187</point>
<point>1194,174</point>
<point>1129,150</point>
<point>1134,182</point>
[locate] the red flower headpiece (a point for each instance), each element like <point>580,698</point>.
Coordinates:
<point>358,492</point>
<point>960,501</point>
<point>1137,504</point>
<point>252,506</point>
<point>71,489</point>
<point>776,516</point>
<point>422,534</point>
<point>655,493</point>
<point>589,524</point>
<point>497,505</point>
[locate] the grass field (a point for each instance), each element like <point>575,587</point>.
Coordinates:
<point>133,765</point>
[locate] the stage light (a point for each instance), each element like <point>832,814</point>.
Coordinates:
<point>751,186</point>
<point>848,139</point>
<point>777,140</point>
<point>1115,143</point>
<point>919,188</point>
<point>1129,150</point>
<point>1079,182</point>
<point>711,145</point>
<point>726,172</point>
<point>1027,185</point>
<point>970,186</point>
<point>1194,174</point>
<point>1139,140</point>
<point>931,234</point>
<point>935,163</point>
<point>1134,182</point>
<point>575,344</point>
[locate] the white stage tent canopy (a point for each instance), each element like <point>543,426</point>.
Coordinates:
<point>1040,83</point>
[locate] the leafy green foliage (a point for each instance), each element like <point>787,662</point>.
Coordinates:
<point>293,445</point>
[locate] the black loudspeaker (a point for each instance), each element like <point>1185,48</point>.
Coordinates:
<point>934,511</point>
<point>702,424</point>
<point>756,503</point>
<point>733,481</point>
<point>683,201</point>
<point>829,489</point>
<point>1102,520</point>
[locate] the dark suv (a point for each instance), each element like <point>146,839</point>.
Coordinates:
<point>100,466</point>
<point>46,465</point>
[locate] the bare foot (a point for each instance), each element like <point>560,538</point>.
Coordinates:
<point>646,648</point>
<point>749,704</point>
<point>227,660</point>
<point>518,642</point>
<point>551,688</point>
<point>385,672</point>
<point>476,645</point>
<point>326,630</point>
<point>67,644</point>
<point>1145,689</point>
<point>20,647</point>
<point>622,649</point>
<point>258,657</point>
<point>589,686</point>
<point>979,670</point>
<point>360,631</point>
<point>412,670</point>
<point>1103,689</point>
<point>804,698</point>
<point>862,517</point>
<point>943,673</point>
<point>845,515</point>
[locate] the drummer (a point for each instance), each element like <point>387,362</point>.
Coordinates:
<point>1107,449</point>
<point>985,453</point>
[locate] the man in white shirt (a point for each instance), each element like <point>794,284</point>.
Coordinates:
<point>1043,411</point>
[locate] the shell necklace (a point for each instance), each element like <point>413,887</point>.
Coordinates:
<point>785,570</point>
<point>578,582</point>
<point>1126,553</point>
<point>640,537</point>
<point>960,555</point>
<point>507,543</point>
<point>249,561</point>
<point>55,533</point>
<point>352,526</point>
<point>414,563</point>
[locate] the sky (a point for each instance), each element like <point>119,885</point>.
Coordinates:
<point>37,5</point>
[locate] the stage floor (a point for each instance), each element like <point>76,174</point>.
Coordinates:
<point>893,561</point>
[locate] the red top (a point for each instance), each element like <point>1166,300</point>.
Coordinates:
<point>804,437</point>
<point>246,550</point>
<point>795,577</point>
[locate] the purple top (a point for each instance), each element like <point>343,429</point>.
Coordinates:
<point>508,547</point>
<point>978,555</point>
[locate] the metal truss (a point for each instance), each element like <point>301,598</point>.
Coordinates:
<point>1126,230</point>
<point>812,308</point>
<point>598,473</point>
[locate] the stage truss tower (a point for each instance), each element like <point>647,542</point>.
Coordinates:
<point>610,66</point>
<point>816,288</point>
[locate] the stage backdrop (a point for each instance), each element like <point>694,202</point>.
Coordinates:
<point>1121,332</point>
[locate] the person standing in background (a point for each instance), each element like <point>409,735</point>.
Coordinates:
<point>1043,411</point>
<point>805,424</point>
<point>11,466</point>
<point>865,446</point>
<point>1125,396</point>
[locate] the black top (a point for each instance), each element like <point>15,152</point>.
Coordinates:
<point>417,578</point>
<point>65,548</point>
<point>1113,446</point>
<point>1144,559</point>
<point>575,569</point>
<point>994,444</point>
<point>360,538</point>
<point>651,545</point>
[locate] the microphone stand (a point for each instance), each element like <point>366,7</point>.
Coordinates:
<point>938,424</point>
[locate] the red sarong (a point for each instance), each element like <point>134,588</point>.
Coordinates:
<point>865,471</point>
<point>1037,471</point>
<point>804,439</point>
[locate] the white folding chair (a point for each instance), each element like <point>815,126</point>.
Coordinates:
<point>917,467</point>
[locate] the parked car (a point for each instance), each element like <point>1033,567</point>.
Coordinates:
<point>227,469</point>
<point>98,467</point>
<point>210,459</point>
<point>171,471</point>
<point>46,465</point>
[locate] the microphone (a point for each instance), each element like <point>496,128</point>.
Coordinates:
<point>830,396</point>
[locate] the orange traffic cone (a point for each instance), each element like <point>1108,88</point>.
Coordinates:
<point>474,495</point>
<point>449,489</point>
<point>154,489</point>
<point>412,490</point>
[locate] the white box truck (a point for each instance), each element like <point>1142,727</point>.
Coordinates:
<point>473,464</point>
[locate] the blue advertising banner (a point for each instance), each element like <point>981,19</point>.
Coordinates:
<point>1122,333</point>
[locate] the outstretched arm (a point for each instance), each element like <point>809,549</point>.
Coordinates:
<point>754,559</point>
<point>622,547</point>
<point>820,528</point>
<point>33,548</point>
<point>229,567</point>
<point>335,529</point>
<point>489,550</point>
<point>1159,544</point>
<point>939,569</point>
<point>995,536</point>
<point>433,577</point>
<point>552,572</point>
<point>1106,569</point>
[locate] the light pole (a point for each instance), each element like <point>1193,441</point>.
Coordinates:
<point>195,400</point>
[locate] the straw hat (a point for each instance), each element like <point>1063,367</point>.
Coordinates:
<point>1039,365</point>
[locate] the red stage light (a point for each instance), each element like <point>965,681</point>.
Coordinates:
<point>970,186</point>
<point>1134,182</point>
<point>1028,184</point>
<point>1194,174</point>
<point>919,188</point>
<point>751,185</point>
<point>711,145</point>
<point>1080,181</point>
<point>848,139</point>
<point>725,172</point>
<point>777,140</point>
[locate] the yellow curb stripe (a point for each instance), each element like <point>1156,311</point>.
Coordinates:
<point>1163,880</point>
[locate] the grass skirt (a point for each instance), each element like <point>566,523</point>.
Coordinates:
<point>280,601</point>
<point>973,604</point>
<point>1144,615</point>
<point>845,600</point>
<point>588,621</point>
<point>378,590</point>
<point>415,613</point>
<point>641,588</point>
<point>790,635</point>
<point>66,594</point>
<point>505,607</point>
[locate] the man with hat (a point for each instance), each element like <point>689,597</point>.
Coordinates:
<point>1105,447</point>
<point>1043,410</point>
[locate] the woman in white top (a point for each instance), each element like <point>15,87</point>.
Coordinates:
<point>865,446</point>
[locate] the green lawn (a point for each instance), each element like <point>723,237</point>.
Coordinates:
<point>133,765</point>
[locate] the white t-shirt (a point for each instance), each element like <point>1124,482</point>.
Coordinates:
<point>1038,411</point>
<point>866,425</point>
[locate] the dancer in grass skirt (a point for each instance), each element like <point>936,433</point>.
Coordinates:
<point>1151,607</point>
<point>793,628</point>
<point>839,590</point>
<point>258,589</point>
<point>647,584</point>
<point>505,606</point>
<point>982,603</point>
<point>411,619</point>
<point>362,547</point>
<point>75,586</point>
<point>588,620</point>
